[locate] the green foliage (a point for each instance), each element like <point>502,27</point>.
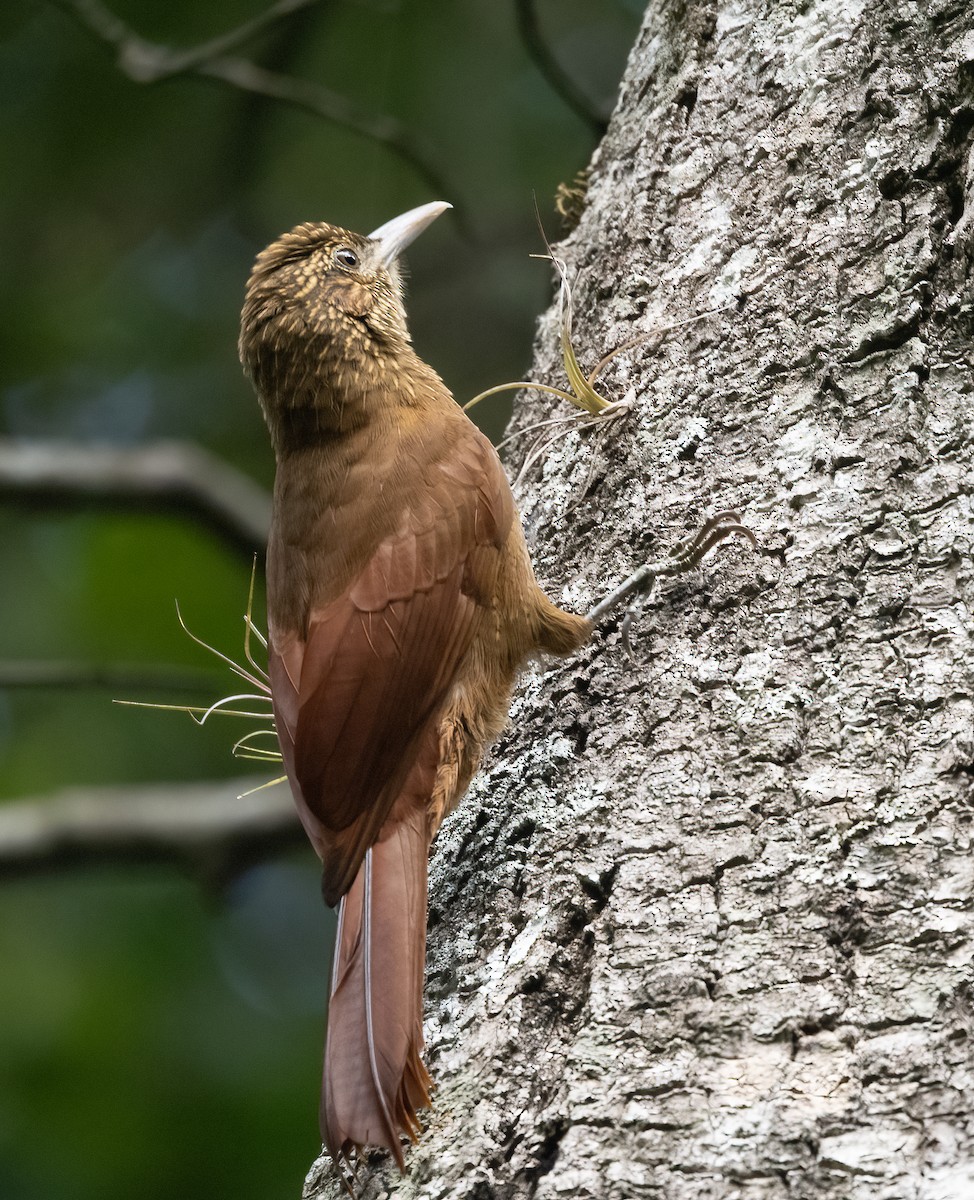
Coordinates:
<point>137,1069</point>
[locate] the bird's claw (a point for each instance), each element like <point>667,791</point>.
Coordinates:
<point>684,557</point>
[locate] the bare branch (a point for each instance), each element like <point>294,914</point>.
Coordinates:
<point>179,62</point>
<point>148,62</point>
<point>560,81</point>
<point>173,475</point>
<point>210,829</point>
<point>322,102</point>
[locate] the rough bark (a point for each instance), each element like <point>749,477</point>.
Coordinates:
<point>704,925</point>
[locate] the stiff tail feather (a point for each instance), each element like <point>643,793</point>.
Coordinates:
<point>374,1080</point>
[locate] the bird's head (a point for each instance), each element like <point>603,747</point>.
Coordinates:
<point>322,303</point>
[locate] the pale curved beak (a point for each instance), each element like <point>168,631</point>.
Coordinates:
<point>395,235</point>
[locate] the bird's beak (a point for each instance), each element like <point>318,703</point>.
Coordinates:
<point>395,235</point>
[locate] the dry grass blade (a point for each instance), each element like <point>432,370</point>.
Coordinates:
<point>248,746</point>
<point>582,393</point>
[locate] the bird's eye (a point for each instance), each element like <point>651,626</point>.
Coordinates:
<point>345,257</point>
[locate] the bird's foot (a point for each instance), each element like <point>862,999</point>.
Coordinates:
<point>684,557</point>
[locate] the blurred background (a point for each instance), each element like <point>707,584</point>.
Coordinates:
<point>160,1030</point>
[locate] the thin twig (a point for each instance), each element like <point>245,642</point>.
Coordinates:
<point>148,62</point>
<point>550,68</point>
<point>322,102</point>
<point>177,62</point>
<point>171,475</point>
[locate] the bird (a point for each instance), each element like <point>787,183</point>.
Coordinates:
<point>402,605</point>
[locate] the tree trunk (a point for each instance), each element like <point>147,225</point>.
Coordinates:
<point>703,926</point>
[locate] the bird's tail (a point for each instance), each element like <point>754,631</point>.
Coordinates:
<point>374,1080</point>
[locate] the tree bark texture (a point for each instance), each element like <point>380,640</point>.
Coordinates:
<point>703,926</point>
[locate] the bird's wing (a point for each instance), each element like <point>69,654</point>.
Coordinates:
<point>355,698</point>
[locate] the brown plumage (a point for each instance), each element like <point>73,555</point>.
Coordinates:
<point>401,605</point>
